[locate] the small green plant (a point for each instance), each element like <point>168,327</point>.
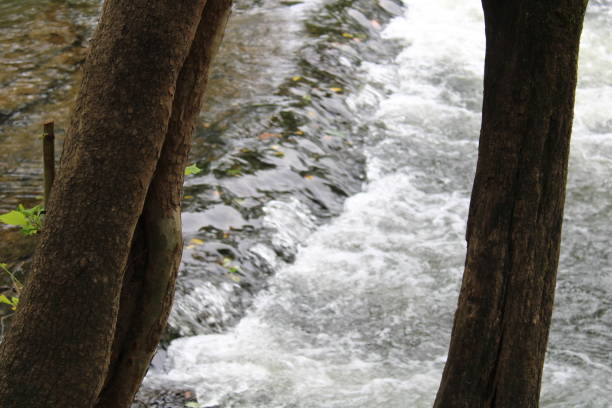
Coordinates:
<point>29,219</point>
<point>193,169</point>
<point>13,301</point>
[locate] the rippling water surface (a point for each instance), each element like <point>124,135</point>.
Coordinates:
<point>362,318</point>
<point>325,236</point>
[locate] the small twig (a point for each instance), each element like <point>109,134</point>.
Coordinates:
<point>48,158</point>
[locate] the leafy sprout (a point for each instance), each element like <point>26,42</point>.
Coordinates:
<point>193,169</point>
<point>13,301</point>
<point>29,219</point>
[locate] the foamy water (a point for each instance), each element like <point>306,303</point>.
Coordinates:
<point>363,317</point>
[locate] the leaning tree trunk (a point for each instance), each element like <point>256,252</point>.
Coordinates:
<point>93,309</point>
<point>501,325</point>
<point>149,286</point>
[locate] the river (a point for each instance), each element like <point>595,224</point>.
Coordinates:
<point>325,236</point>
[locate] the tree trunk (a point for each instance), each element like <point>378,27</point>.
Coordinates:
<point>152,282</point>
<point>514,227</point>
<point>121,167</point>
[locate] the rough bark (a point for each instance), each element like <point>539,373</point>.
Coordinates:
<point>118,163</point>
<point>514,227</point>
<point>152,282</point>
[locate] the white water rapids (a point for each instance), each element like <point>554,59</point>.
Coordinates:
<point>362,318</point>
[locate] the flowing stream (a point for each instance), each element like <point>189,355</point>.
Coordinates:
<point>325,234</point>
<point>362,316</point>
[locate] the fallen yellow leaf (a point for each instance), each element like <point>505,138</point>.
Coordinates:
<point>296,78</point>
<point>195,241</point>
<point>308,176</point>
<point>347,35</point>
<point>335,89</point>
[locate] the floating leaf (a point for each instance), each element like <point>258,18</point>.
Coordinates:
<point>298,132</point>
<point>296,78</point>
<point>193,169</point>
<point>335,89</point>
<point>14,218</point>
<point>232,269</point>
<point>347,35</point>
<point>308,176</point>
<point>235,278</point>
<point>192,404</point>
<point>187,197</point>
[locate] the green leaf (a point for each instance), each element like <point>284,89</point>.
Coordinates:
<point>14,218</point>
<point>4,299</point>
<point>192,404</point>
<point>193,169</point>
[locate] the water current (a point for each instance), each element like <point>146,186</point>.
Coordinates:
<point>325,235</point>
<point>362,317</point>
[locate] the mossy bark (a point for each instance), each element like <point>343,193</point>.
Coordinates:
<point>102,277</point>
<point>514,228</point>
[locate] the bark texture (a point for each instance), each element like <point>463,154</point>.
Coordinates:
<point>514,228</point>
<point>152,281</point>
<point>103,275</point>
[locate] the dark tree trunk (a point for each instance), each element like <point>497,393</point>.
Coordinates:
<point>514,228</point>
<point>96,276</point>
<point>151,282</point>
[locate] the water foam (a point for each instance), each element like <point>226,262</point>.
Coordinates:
<point>362,318</point>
